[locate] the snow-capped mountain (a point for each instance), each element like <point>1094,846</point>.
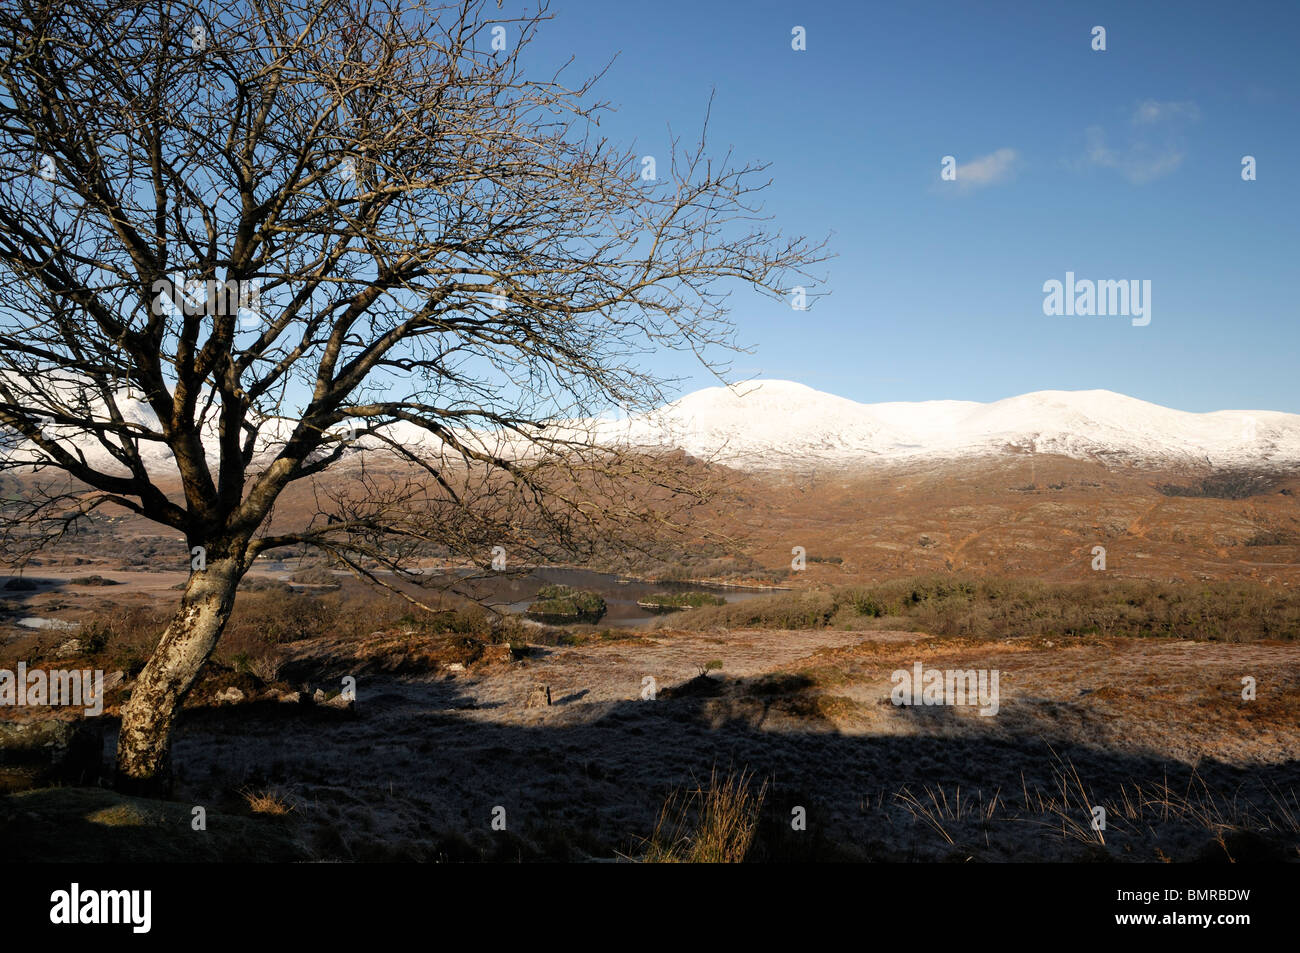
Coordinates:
<point>776,424</point>
<point>770,424</point>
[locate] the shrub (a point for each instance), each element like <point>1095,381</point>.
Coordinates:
<point>863,602</point>
<point>1225,485</point>
<point>683,600</point>
<point>316,576</point>
<point>1002,608</point>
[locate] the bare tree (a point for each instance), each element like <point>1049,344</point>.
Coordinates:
<point>242,243</point>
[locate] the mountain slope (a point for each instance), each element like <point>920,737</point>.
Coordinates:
<point>770,424</point>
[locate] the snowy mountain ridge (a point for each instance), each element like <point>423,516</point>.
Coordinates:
<point>770,424</point>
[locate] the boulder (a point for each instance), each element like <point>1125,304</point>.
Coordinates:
<point>38,752</point>
<point>539,697</point>
<point>342,702</point>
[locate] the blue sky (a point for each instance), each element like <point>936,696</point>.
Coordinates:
<point>1122,164</point>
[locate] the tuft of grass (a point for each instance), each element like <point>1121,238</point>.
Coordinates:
<point>935,808</point>
<point>270,803</point>
<point>708,825</point>
<point>1138,815</point>
<point>1067,806</point>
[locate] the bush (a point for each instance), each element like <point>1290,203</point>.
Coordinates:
<point>683,600</point>
<point>787,610</point>
<point>864,603</point>
<point>1225,485</point>
<point>1001,608</point>
<point>262,584</point>
<point>316,576</point>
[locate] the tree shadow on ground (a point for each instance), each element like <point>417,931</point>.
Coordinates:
<point>421,772</point>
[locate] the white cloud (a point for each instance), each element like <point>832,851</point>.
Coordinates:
<point>1153,111</point>
<point>1155,146</point>
<point>987,170</point>
<point>1139,163</point>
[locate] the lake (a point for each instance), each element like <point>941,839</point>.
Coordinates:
<point>515,592</point>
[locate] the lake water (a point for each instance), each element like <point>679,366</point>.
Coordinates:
<point>35,622</point>
<point>516,592</point>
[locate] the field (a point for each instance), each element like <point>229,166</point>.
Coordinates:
<point>1164,690</point>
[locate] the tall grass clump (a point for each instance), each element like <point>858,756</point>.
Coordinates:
<point>708,825</point>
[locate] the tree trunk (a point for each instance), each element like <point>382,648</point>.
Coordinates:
<point>144,744</point>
